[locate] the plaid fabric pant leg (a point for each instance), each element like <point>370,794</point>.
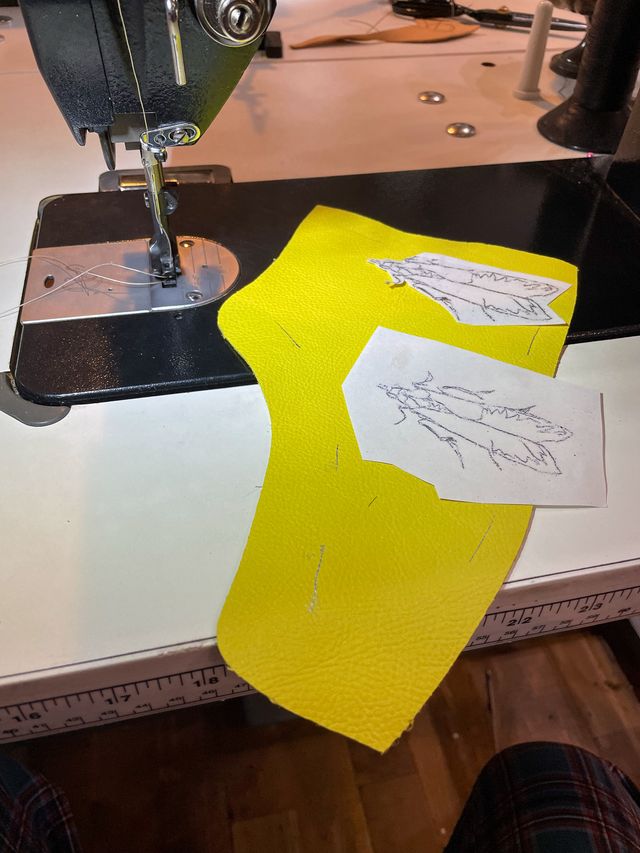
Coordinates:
<point>549,798</point>
<point>34,815</point>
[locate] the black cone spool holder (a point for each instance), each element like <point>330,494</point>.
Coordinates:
<point>594,117</point>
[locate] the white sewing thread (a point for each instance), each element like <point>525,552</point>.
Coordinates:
<point>90,271</point>
<point>133,67</point>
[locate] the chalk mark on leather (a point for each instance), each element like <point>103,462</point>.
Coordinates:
<point>484,536</point>
<point>371,501</point>
<point>291,338</point>
<point>337,453</point>
<point>314,595</point>
<point>535,335</point>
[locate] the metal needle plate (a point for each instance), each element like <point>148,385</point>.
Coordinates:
<point>208,271</point>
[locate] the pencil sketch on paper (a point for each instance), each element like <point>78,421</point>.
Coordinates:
<point>462,419</point>
<point>475,428</point>
<point>478,294</point>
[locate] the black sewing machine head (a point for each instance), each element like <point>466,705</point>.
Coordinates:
<point>181,58</point>
<point>150,74</point>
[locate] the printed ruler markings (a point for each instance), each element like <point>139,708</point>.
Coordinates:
<point>506,625</point>
<point>208,684</point>
<point>119,701</point>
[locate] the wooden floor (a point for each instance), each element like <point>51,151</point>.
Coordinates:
<point>216,779</point>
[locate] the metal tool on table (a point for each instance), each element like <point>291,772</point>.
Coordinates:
<point>502,17</point>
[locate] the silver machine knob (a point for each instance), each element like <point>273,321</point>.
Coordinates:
<point>235,23</point>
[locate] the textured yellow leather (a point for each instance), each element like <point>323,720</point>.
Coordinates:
<point>358,586</point>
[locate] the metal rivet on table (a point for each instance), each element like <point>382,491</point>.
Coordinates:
<point>431,97</point>
<point>4,20</point>
<point>461,129</point>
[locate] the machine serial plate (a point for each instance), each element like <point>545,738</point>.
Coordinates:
<point>105,279</point>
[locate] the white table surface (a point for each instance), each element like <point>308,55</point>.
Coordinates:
<point>121,527</point>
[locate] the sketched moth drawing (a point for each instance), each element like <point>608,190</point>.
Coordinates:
<point>462,418</point>
<point>477,295</point>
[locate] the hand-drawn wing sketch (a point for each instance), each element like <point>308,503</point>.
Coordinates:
<point>455,415</point>
<point>478,294</point>
<point>476,428</point>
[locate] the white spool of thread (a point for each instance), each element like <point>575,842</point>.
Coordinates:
<point>527,89</point>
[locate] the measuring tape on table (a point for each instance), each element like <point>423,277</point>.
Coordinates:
<point>84,708</point>
<point>504,626</point>
<point>119,700</point>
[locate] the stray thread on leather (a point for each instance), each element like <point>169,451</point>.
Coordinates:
<point>484,536</point>
<point>314,594</point>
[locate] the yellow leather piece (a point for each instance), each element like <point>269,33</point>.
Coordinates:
<point>358,586</point>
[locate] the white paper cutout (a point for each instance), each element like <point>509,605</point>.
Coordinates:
<point>480,430</point>
<point>477,294</point>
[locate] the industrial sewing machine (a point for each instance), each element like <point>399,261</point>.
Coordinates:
<point>152,74</point>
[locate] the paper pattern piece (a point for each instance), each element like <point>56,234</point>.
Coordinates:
<point>479,294</point>
<point>359,587</point>
<point>478,429</point>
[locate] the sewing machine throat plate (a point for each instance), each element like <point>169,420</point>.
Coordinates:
<point>107,279</point>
